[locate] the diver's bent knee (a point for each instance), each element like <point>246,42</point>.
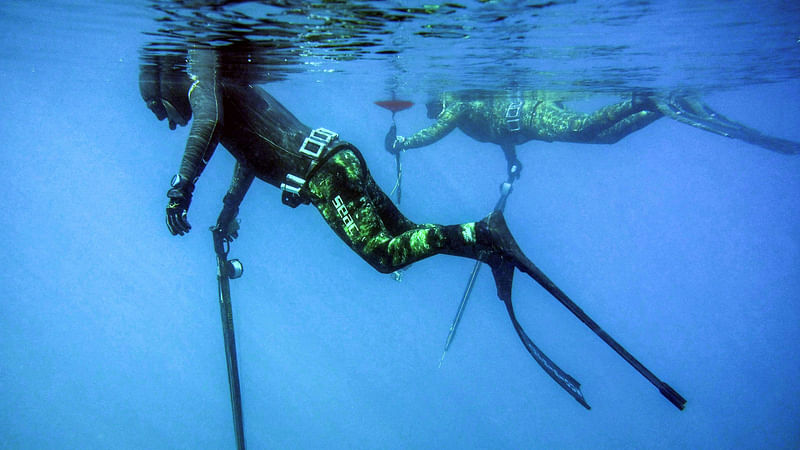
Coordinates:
<point>384,268</point>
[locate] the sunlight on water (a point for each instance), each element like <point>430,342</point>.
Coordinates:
<point>607,47</point>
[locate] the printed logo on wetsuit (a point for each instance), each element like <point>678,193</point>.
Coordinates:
<point>344,214</point>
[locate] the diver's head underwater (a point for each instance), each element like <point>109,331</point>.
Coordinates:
<point>434,107</point>
<point>165,92</point>
<point>437,105</point>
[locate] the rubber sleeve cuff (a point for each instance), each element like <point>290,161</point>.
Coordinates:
<point>181,184</point>
<point>231,200</point>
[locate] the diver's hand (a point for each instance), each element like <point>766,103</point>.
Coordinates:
<point>398,145</point>
<point>177,208</point>
<point>180,197</point>
<point>227,224</point>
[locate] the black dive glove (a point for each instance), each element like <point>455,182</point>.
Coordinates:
<point>393,143</point>
<point>180,197</point>
<point>226,222</point>
<point>398,145</point>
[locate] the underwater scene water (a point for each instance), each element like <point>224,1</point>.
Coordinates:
<point>682,244</point>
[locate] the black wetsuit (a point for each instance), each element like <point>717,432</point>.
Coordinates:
<point>265,138</point>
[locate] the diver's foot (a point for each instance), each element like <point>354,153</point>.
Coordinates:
<point>503,273</point>
<point>692,111</point>
<point>642,101</point>
<point>504,250</point>
<point>692,107</point>
<point>496,234</point>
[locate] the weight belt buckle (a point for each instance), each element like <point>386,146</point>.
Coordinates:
<point>290,190</point>
<point>316,142</point>
<point>512,115</point>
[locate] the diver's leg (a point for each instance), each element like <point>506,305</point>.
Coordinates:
<point>339,190</point>
<point>394,220</point>
<point>561,124</point>
<point>514,166</point>
<point>626,126</point>
<point>619,120</point>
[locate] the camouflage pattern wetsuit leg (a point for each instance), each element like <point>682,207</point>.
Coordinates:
<point>487,120</point>
<point>366,219</point>
<point>607,125</point>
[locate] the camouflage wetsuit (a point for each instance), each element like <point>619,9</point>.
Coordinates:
<point>515,119</point>
<point>265,138</point>
<point>510,120</point>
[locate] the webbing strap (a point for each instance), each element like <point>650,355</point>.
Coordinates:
<point>294,192</point>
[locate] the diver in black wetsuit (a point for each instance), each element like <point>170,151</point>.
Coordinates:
<point>513,119</point>
<point>310,166</point>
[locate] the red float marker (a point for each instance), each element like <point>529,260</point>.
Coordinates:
<point>394,105</point>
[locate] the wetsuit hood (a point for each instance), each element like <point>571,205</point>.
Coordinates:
<point>435,107</point>
<point>166,94</point>
<point>175,99</point>
<point>150,90</point>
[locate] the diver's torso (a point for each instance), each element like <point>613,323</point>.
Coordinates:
<point>262,134</point>
<point>487,120</point>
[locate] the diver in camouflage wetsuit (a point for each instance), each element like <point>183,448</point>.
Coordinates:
<point>310,166</point>
<point>513,119</point>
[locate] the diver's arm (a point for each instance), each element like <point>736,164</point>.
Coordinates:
<point>205,99</point>
<point>200,145</point>
<point>445,123</point>
<point>240,183</point>
<point>206,106</point>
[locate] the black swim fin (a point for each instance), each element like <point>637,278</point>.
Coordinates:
<point>503,272</point>
<point>512,256</point>
<point>775,144</point>
<point>692,111</point>
<point>562,378</point>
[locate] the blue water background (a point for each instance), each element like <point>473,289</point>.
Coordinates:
<point>683,245</point>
